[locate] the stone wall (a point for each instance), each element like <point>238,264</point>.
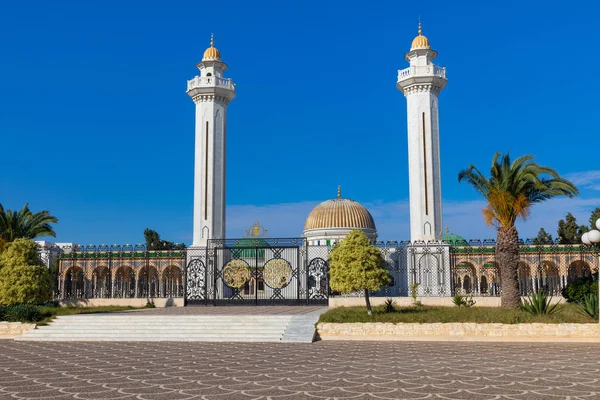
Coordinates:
<point>481,301</point>
<point>454,331</point>
<point>9,330</point>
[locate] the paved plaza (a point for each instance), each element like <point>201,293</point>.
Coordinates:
<point>322,370</point>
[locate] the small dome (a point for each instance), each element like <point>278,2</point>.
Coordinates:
<point>211,54</point>
<point>250,248</point>
<point>420,42</point>
<point>455,239</point>
<point>339,213</point>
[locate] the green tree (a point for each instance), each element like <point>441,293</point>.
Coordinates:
<point>543,237</point>
<point>356,264</point>
<point>23,277</point>
<point>152,239</point>
<point>511,190</point>
<point>25,224</point>
<point>594,217</point>
<point>154,242</point>
<point>569,232</point>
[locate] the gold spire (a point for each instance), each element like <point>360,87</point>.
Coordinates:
<point>447,230</point>
<point>212,37</point>
<point>339,191</point>
<point>420,42</point>
<point>212,54</point>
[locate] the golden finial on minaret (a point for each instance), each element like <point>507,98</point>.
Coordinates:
<point>447,230</point>
<point>339,191</point>
<point>212,54</point>
<point>420,41</point>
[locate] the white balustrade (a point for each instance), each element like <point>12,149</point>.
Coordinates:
<point>421,70</point>
<point>201,81</point>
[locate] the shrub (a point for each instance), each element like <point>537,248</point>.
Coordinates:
<point>539,303</point>
<point>576,291</point>
<point>414,293</point>
<point>462,301</point>
<point>23,313</point>
<point>3,310</point>
<point>23,277</point>
<point>389,305</point>
<point>589,305</point>
<point>458,300</point>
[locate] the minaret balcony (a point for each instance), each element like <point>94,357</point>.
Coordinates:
<point>211,86</point>
<point>421,71</point>
<point>429,75</point>
<point>210,82</point>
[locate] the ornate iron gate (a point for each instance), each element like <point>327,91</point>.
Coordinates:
<point>255,271</point>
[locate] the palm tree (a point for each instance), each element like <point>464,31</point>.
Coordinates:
<point>25,224</point>
<point>510,191</point>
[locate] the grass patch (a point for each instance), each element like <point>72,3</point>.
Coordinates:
<point>433,314</point>
<point>48,313</point>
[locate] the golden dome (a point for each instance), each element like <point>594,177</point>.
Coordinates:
<point>211,54</point>
<point>420,42</point>
<point>339,213</point>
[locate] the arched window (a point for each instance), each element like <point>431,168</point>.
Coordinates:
<point>172,282</point>
<point>124,282</point>
<point>74,283</point>
<point>148,282</point>
<point>100,282</point>
<point>483,289</point>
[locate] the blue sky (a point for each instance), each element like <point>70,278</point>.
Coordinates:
<point>96,127</point>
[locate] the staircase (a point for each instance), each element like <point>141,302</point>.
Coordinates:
<point>176,328</point>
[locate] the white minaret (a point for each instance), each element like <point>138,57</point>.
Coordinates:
<point>211,94</point>
<point>421,84</point>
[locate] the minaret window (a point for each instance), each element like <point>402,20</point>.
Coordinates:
<point>206,175</point>
<point>209,74</point>
<point>425,168</point>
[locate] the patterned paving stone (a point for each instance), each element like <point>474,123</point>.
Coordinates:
<point>322,370</point>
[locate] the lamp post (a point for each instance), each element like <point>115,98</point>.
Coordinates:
<point>592,238</point>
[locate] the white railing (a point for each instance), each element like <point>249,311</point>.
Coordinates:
<point>421,70</point>
<point>210,81</point>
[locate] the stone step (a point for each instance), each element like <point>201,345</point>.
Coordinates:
<point>148,339</point>
<point>173,317</point>
<point>151,334</point>
<point>121,330</point>
<point>208,328</point>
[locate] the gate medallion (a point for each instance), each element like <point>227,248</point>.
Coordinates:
<point>236,273</point>
<point>277,273</point>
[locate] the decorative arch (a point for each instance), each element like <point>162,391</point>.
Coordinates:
<point>525,278</point>
<point>549,278</point>
<point>100,282</point>
<point>490,270</point>
<point>172,281</point>
<point>147,282</point>
<point>124,282</point>
<point>465,278</point>
<point>578,269</point>
<point>483,285</point>
<point>74,283</point>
